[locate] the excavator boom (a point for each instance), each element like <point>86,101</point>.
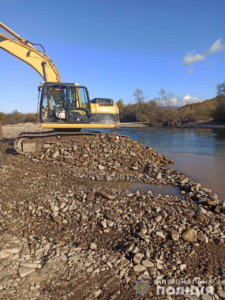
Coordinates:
<point>25,51</point>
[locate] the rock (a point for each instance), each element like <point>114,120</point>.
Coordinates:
<point>93,246</point>
<point>221,294</point>
<point>24,271</point>
<point>158,218</point>
<point>83,246</point>
<point>183,267</point>
<point>206,297</point>
<point>31,265</point>
<point>68,161</point>
<point>58,220</point>
<point>213,196</point>
<point>152,271</point>
<point>110,214</point>
<point>160,234</point>
<point>125,262</point>
<point>73,258</point>
<point>159,176</point>
<point>190,235</point>
<point>175,235</point>
<point>55,154</point>
<point>4,253</point>
<point>139,268</point>
<point>101,167</point>
<point>115,295</point>
<point>90,196</point>
<point>54,208</point>
<point>212,202</point>
<point>147,263</point>
<point>185,180</point>
<point>104,224</point>
<point>96,293</point>
<point>137,258</point>
<point>203,238</point>
<point>106,196</point>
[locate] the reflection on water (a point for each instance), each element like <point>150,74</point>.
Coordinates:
<point>199,153</point>
<point>133,187</point>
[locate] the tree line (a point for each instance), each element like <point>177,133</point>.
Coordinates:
<point>161,110</point>
<point>164,109</point>
<point>16,117</point>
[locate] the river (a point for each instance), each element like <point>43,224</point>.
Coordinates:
<point>198,153</point>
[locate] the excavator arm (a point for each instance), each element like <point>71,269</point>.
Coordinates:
<point>25,51</point>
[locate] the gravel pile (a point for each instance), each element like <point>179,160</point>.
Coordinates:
<point>84,233</point>
<point>60,240</point>
<point>111,152</point>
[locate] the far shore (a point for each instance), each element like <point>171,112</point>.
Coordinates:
<point>207,125</point>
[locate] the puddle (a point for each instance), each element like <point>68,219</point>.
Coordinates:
<point>133,187</point>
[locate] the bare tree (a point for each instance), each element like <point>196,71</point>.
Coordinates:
<point>221,89</point>
<point>139,96</point>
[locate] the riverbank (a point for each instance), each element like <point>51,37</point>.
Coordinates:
<point>207,125</point>
<point>60,238</point>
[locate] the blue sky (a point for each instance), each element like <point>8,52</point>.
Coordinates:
<point>116,46</point>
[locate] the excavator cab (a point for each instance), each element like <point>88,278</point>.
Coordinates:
<point>64,103</point>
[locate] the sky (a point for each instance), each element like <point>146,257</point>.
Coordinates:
<point>116,46</point>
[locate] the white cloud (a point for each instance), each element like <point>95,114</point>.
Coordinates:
<point>177,102</point>
<point>190,99</point>
<point>217,46</point>
<point>193,57</point>
<point>191,71</point>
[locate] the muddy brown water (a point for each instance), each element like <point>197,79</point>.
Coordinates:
<point>198,153</point>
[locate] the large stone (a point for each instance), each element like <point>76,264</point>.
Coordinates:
<point>190,235</point>
<point>4,253</point>
<point>139,268</point>
<point>206,297</point>
<point>58,220</point>
<point>106,196</point>
<point>97,293</point>
<point>101,167</point>
<point>213,196</point>
<point>93,246</point>
<point>175,235</point>
<point>24,271</point>
<point>91,196</point>
<point>152,271</point>
<point>111,214</point>
<point>185,180</point>
<point>55,154</point>
<point>147,263</point>
<point>159,176</point>
<point>203,238</point>
<point>221,294</point>
<point>160,234</point>
<point>137,258</point>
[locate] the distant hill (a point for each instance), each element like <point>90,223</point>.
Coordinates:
<point>193,106</point>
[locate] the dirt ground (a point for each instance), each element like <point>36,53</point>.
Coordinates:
<point>12,131</point>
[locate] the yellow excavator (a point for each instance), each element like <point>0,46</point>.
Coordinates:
<point>62,106</point>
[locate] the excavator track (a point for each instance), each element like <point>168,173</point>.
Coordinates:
<point>30,142</point>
